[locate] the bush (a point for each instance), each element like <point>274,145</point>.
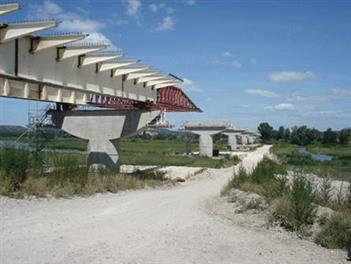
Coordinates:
<point>336,233</point>
<point>265,179</point>
<point>303,209</point>
<point>15,166</point>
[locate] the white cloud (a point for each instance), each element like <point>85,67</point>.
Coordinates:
<point>83,25</point>
<point>189,86</point>
<point>118,22</point>
<point>288,76</point>
<point>155,7</point>
<point>133,7</point>
<point>166,24</point>
<point>333,94</point>
<point>236,64</point>
<point>281,107</point>
<point>253,61</point>
<point>158,7</point>
<point>341,92</point>
<point>227,54</point>
<point>170,10</point>
<point>263,93</point>
<point>71,22</point>
<point>51,7</point>
<point>190,2</point>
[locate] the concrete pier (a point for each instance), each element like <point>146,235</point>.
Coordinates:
<point>103,128</point>
<point>206,132</point>
<point>232,134</point>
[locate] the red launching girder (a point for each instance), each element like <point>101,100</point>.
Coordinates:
<point>173,99</point>
<point>169,99</point>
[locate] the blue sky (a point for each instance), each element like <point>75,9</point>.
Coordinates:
<point>284,62</point>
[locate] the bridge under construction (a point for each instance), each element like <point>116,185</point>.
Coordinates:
<point>122,95</point>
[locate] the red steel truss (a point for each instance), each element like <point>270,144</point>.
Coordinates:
<point>169,99</point>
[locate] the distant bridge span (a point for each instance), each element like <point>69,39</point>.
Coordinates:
<point>51,68</point>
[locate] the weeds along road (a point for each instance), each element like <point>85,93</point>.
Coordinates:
<point>148,226</point>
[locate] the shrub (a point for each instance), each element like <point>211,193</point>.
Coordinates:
<point>266,170</point>
<point>265,179</point>
<point>35,186</point>
<point>296,209</point>
<point>336,233</point>
<point>302,201</point>
<point>324,194</point>
<point>238,178</point>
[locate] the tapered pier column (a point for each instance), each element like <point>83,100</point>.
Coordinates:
<point>102,129</point>
<point>232,134</point>
<point>205,143</point>
<point>205,131</point>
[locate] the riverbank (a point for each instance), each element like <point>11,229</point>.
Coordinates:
<point>338,167</point>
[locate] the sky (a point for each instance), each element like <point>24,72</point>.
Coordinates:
<point>283,62</point>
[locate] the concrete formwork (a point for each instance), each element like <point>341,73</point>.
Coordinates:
<point>103,129</point>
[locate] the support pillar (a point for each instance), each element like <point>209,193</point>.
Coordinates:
<point>103,128</point>
<point>232,141</point>
<point>205,145</point>
<point>205,141</point>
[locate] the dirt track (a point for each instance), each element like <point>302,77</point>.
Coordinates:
<point>149,226</point>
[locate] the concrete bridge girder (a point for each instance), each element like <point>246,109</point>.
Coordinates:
<point>103,129</point>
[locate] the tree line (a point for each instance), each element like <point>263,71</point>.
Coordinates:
<point>303,135</point>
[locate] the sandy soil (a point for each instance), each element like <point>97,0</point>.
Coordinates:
<point>171,225</point>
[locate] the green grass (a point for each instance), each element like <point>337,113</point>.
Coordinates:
<point>22,173</point>
<point>138,151</point>
<point>336,232</point>
<point>293,204</point>
<point>338,168</point>
<point>265,179</point>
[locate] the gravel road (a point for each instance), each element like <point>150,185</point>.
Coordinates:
<point>166,225</point>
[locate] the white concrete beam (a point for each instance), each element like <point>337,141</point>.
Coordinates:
<point>110,65</point>
<point>140,74</point>
<point>74,51</point>
<point>162,85</point>
<point>45,42</point>
<point>18,30</point>
<point>96,58</point>
<point>8,8</point>
<point>6,88</point>
<point>122,71</point>
<point>152,78</point>
<point>152,83</point>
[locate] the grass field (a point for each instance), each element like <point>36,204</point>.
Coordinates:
<point>339,167</point>
<point>140,151</point>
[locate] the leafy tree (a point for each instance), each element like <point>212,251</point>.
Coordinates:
<point>266,131</point>
<point>344,136</point>
<point>329,136</point>
<point>281,133</point>
<point>287,134</point>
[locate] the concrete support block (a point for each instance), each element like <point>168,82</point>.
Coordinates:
<point>232,141</point>
<point>206,145</point>
<point>103,128</point>
<point>103,153</point>
<point>205,141</point>
<point>243,139</point>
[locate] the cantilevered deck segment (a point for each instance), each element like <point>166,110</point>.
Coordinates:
<point>63,69</point>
